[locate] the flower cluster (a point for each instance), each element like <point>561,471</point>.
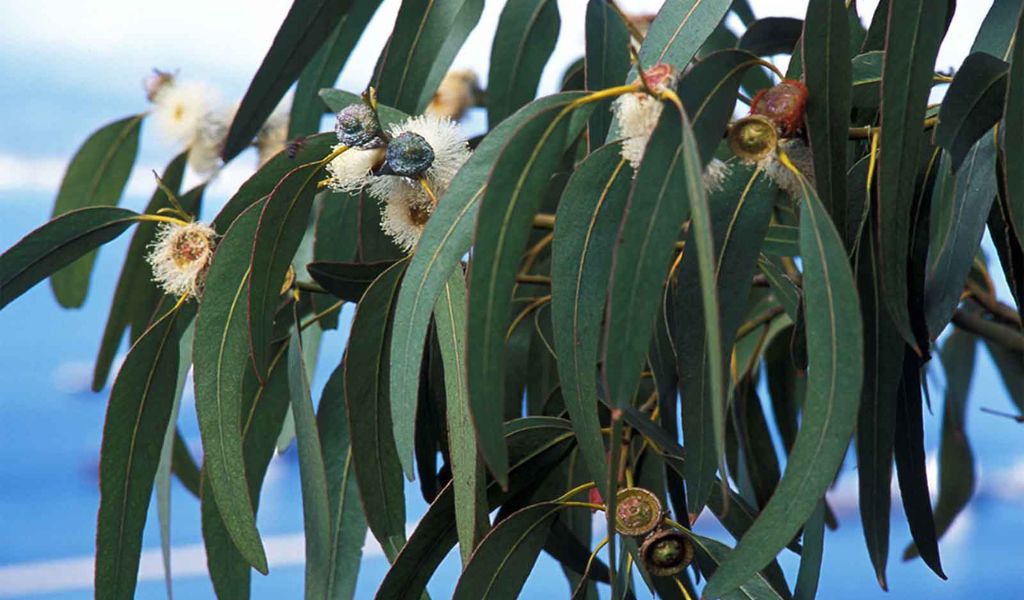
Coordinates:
<point>180,256</point>
<point>189,113</point>
<point>405,167</point>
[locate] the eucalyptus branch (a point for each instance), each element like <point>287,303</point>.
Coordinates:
<point>308,286</point>
<point>991,330</point>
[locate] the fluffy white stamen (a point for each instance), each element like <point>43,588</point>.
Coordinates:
<point>350,170</point>
<point>715,174</point>
<point>273,136</point>
<point>180,256</point>
<point>800,155</point>
<point>456,94</point>
<point>637,115</point>
<point>403,220</point>
<point>179,107</point>
<point>208,141</point>
<point>450,152</point>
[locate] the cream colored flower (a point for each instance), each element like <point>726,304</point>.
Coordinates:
<point>350,170</point>
<point>457,93</point>
<point>179,108</point>
<point>450,152</point>
<point>180,256</point>
<point>715,174</point>
<point>273,136</point>
<point>208,141</point>
<point>800,155</point>
<point>637,113</point>
<point>403,220</point>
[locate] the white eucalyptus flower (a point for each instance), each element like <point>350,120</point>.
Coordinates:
<point>350,170</point>
<point>457,93</point>
<point>800,155</point>
<point>450,152</point>
<point>273,136</point>
<point>208,141</point>
<point>715,174</point>
<point>637,113</point>
<point>179,108</point>
<point>403,220</point>
<point>180,256</point>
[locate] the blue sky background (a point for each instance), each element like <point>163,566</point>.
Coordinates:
<point>69,67</point>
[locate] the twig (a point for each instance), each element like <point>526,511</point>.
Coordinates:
<point>1001,334</point>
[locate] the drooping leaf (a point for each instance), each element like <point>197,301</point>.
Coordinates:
<point>910,464</point>
<point>135,296</point>
<point>347,280</point>
<point>679,31</point>
<point>512,197</point>
<point>498,569</point>
<point>535,444</point>
<point>221,352</point>
<point>133,435</point>
<point>282,225</point>
<point>308,24</point>
<point>323,69</point>
<point>426,37</point>
<point>468,479</point>
<point>972,105</point>
<point>828,75</point>
<point>96,177</point>
<point>316,515</point>
<point>369,415</point>
<point>956,460</point>
<point>606,60</point>
<point>56,244</point>
<point>348,522</point>
<point>834,347</point>
<point>996,34</point>
<point>586,227</point>
<point>958,229</point>
<point>883,350</point>
<point>915,30</point>
<point>526,36</point>
<point>1013,136</point>
<point>715,553</point>
<point>445,239</point>
<point>771,35</point>
<point>740,212</point>
<point>810,560</point>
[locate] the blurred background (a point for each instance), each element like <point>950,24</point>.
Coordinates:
<point>68,67</point>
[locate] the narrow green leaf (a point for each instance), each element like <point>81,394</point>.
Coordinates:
<point>526,36</point>
<point>715,553</point>
<point>220,351</point>
<point>1013,136</point>
<point>315,514</point>
<point>536,444</point>
<point>348,522</point>
<point>996,34</point>
<point>916,28</point>
<point>834,347</point>
<point>514,192</point>
<point>586,227</point>
<point>136,295</point>
<point>506,556</point>
<point>810,560</point>
<point>782,240</point>
<point>972,105</point>
<point>883,349</point>
<point>96,177</point>
<point>1008,249</point>
<point>468,478</point>
<point>347,280</point>
<point>446,238</point>
<point>369,415</point>
<point>958,231</point>
<point>739,217</point>
<point>323,69</point>
<point>304,30</point>
<point>1011,369</point>
<point>771,36</point>
<point>956,460</point>
<point>282,225</point>
<point>267,177</point>
<point>679,31</point>
<point>426,37</point>
<point>910,464</point>
<point>133,434</point>
<point>183,465</point>
<point>828,75</point>
<point>56,244</point>
<point>606,60</point>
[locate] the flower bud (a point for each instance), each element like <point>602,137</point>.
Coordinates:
<point>637,511</point>
<point>753,138</point>
<point>357,127</point>
<point>409,155</point>
<point>666,552</point>
<point>784,105</point>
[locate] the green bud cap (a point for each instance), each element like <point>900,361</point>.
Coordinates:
<point>357,127</point>
<point>409,155</point>
<point>637,511</point>
<point>666,552</point>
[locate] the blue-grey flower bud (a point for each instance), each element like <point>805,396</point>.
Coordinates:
<point>357,127</point>
<point>409,154</point>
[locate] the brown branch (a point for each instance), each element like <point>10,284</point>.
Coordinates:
<point>997,332</point>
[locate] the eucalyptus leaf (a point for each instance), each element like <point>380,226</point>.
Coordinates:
<point>525,38</point>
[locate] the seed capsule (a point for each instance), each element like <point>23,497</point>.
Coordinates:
<point>666,552</point>
<point>753,138</point>
<point>357,127</point>
<point>409,155</point>
<point>638,511</point>
<point>784,105</point>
